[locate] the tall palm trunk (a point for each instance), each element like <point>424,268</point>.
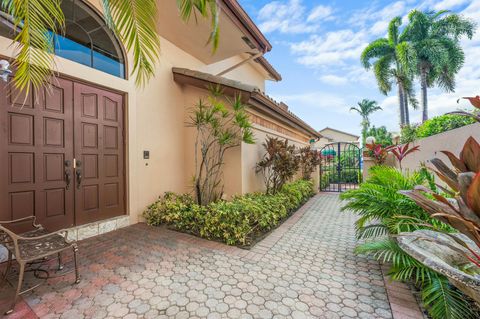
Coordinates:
<point>365,125</point>
<point>401,103</point>
<point>405,105</point>
<point>423,84</point>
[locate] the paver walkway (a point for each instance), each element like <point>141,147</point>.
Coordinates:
<point>310,271</point>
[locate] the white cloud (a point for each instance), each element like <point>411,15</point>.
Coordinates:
<point>318,100</point>
<point>333,79</point>
<point>320,12</point>
<point>333,56</point>
<point>449,4</point>
<point>292,17</point>
<point>333,48</point>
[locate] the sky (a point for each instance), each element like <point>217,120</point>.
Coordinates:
<point>317,46</point>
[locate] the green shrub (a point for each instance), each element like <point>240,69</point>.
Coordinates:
<point>381,134</point>
<point>324,180</point>
<point>351,176</point>
<point>384,212</point>
<point>433,126</point>
<point>408,133</point>
<point>442,123</point>
<point>236,222</point>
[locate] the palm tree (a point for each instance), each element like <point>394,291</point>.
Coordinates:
<point>365,109</point>
<point>435,38</point>
<point>133,21</point>
<point>392,56</point>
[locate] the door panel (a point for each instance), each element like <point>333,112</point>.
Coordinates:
<point>37,131</point>
<point>99,173</point>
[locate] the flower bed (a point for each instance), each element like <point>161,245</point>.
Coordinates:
<point>240,221</point>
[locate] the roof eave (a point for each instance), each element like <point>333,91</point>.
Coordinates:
<point>249,95</point>
<point>233,9</point>
<point>269,68</point>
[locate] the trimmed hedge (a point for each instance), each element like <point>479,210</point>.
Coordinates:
<point>442,123</point>
<point>434,126</point>
<point>237,222</point>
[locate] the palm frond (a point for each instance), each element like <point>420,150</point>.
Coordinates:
<point>371,231</point>
<point>443,301</point>
<point>383,73</point>
<point>393,30</point>
<point>135,23</point>
<point>375,50</point>
<point>205,8</point>
<point>37,21</point>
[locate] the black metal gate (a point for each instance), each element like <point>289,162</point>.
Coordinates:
<point>340,167</point>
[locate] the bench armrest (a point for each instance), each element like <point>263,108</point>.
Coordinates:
<point>63,233</point>
<point>16,221</point>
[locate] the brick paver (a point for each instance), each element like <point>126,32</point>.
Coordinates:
<point>305,269</point>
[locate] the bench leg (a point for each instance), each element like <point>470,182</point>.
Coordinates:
<point>7,270</point>
<point>75,250</point>
<point>60,266</point>
<point>19,287</point>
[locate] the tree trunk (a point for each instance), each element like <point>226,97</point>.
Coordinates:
<point>423,84</point>
<point>364,132</point>
<point>401,104</point>
<point>407,112</point>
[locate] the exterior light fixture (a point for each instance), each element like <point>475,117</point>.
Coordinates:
<point>5,70</point>
<point>370,140</point>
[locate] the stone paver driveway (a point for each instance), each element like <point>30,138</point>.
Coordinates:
<point>305,269</point>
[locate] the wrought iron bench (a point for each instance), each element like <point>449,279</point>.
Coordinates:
<point>31,247</point>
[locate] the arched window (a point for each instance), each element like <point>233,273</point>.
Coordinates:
<point>87,39</point>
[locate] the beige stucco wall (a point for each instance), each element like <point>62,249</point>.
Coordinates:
<point>253,153</point>
<point>155,121</point>
<point>332,136</point>
<point>232,167</point>
<point>431,146</point>
<point>248,73</point>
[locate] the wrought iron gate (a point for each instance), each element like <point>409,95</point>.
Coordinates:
<point>340,167</point>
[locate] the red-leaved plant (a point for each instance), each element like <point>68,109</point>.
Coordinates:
<point>379,153</point>
<point>402,151</point>
<point>462,212</point>
<point>475,101</point>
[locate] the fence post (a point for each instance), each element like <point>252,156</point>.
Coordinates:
<point>368,162</point>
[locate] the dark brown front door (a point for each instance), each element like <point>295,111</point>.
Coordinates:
<point>36,155</point>
<point>43,137</point>
<point>99,154</point>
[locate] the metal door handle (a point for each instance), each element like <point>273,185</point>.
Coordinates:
<point>68,174</point>
<point>78,173</point>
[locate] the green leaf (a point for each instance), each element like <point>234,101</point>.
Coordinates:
<point>443,301</point>
<point>135,23</point>
<point>35,19</point>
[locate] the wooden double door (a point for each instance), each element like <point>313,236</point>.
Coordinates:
<point>61,154</point>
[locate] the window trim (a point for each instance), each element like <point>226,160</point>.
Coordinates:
<point>6,19</point>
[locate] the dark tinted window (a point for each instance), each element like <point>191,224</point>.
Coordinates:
<point>87,40</point>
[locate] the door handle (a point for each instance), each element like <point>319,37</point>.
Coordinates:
<point>78,173</point>
<point>68,174</point>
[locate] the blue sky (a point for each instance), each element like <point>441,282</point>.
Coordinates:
<point>316,48</point>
